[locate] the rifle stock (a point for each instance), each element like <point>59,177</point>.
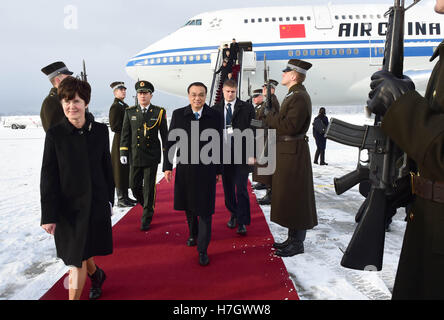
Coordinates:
<point>366,247</point>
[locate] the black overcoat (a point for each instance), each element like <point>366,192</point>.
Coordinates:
<point>76,189</point>
<point>195,184</point>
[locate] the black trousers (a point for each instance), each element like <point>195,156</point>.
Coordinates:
<point>143,186</point>
<point>237,201</point>
<point>319,152</point>
<point>200,229</point>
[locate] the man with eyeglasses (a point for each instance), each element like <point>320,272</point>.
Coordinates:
<point>195,181</point>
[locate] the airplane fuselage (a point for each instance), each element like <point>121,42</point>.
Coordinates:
<point>345,44</point>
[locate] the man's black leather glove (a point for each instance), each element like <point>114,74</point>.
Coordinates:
<point>386,89</point>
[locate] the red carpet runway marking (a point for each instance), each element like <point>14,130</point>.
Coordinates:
<point>157,264</point>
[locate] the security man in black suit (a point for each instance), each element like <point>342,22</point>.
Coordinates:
<point>140,133</point>
<point>237,115</point>
<point>51,112</point>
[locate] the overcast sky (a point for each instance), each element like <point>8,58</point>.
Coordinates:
<point>34,34</point>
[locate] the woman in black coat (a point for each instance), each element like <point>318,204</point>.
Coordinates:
<point>77,188</point>
<point>320,125</point>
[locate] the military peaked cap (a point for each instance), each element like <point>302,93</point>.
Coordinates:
<point>257,92</point>
<point>117,84</point>
<point>273,83</point>
<point>297,65</point>
<point>144,86</point>
<point>56,68</point>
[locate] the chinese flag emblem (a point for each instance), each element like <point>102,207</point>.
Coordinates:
<point>292,31</point>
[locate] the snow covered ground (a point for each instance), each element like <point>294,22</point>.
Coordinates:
<point>28,266</point>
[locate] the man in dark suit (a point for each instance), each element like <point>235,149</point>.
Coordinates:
<point>237,115</point>
<point>234,51</point>
<point>195,180</point>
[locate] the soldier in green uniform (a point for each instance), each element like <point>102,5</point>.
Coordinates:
<point>140,139</point>
<point>264,182</point>
<point>120,171</point>
<point>416,125</point>
<point>51,112</point>
<point>293,201</point>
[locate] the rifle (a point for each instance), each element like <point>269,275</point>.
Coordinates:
<point>390,183</point>
<point>83,75</point>
<point>136,101</point>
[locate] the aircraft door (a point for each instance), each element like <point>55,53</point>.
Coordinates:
<point>322,17</point>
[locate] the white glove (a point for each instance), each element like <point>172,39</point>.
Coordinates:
<point>123,160</point>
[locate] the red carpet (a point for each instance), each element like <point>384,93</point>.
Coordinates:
<point>157,265</point>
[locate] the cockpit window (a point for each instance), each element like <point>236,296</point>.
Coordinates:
<point>197,22</point>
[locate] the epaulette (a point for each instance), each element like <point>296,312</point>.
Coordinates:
<point>132,107</point>
<point>121,103</point>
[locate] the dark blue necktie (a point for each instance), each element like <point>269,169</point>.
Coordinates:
<point>229,115</point>
<point>196,115</point>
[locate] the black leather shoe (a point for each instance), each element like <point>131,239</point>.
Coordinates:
<point>259,186</point>
<point>97,280</point>
<point>203,259</point>
<point>292,249</point>
<point>122,203</point>
<point>324,164</point>
<point>145,226</point>
<point>132,202</point>
<point>265,200</point>
<point>281,245</point>
<point>242,230</point>
<point>191,242</point>
<point>232,223</point>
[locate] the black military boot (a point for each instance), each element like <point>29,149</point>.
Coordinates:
<point>293,248</point>
<point>259,186</point>
<point>120,199</point>
<point>266,199</point>
<point>97,279</point>
<point>129,202</point>
<point>281,245</point>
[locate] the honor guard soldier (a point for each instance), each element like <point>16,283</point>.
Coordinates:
<point>264,182</point>
<point>140,139</point>
<point>257,99</point>
<point>415,123</point>
<point>120,171</point>
<point>293,200</point>
<point>52,111</point>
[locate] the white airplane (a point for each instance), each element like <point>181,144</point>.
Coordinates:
<point>345,44</point>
